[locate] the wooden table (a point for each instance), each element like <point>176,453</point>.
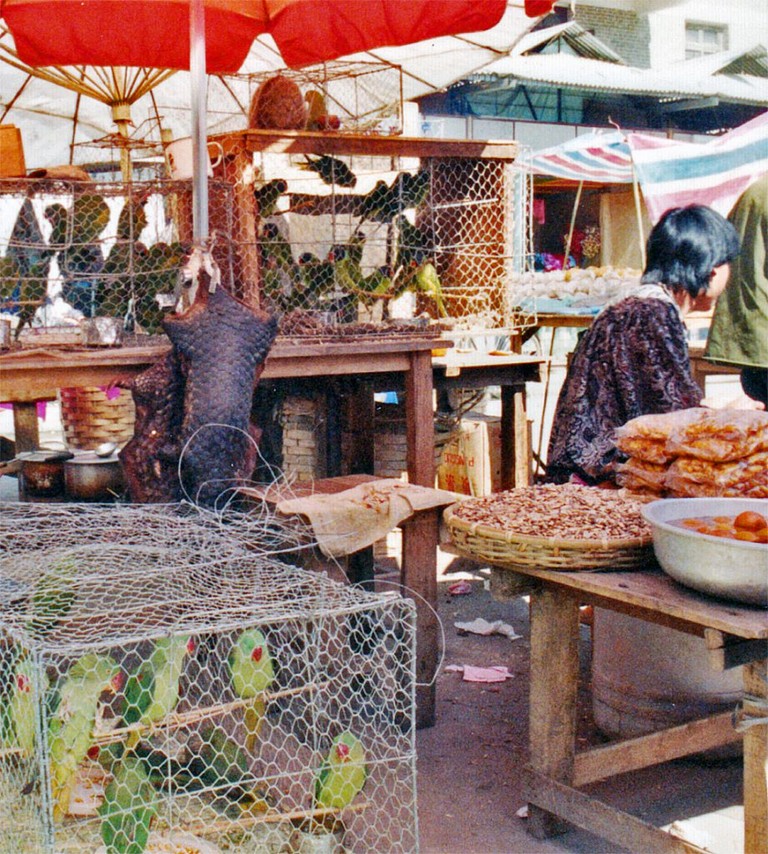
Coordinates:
<point>26,377</point>
<point>734,635</point>
<point>510,372</point>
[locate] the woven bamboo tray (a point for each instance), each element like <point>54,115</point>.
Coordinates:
<point>504,548</point>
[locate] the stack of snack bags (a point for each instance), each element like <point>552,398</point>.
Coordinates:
<point>696,453</point>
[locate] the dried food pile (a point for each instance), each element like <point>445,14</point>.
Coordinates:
<point>566,512</point>
<point>696,452</point>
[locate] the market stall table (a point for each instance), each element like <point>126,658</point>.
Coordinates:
<point>734,635</point>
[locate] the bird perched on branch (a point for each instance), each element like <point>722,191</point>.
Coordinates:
<point>331,170</point>
<point>343,773</point>
<point>71,725</point>
<point>252,672</point>
<point>268,195</point>
<point>152,691</point>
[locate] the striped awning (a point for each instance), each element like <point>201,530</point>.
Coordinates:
<point>670,172</point>
<point>716,173</point>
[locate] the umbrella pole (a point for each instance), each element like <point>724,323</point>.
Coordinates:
<point>197,71</point>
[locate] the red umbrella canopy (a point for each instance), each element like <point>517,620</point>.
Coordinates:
<point>155,33</point>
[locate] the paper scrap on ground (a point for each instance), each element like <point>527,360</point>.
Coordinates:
<point>460,588</point>
<point>495,673</point>
<point>479,626</point>
<point>355,518</point>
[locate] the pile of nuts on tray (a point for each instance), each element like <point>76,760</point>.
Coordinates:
<point>564,512</point>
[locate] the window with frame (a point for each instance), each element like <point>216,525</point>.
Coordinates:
<point>703,39</point>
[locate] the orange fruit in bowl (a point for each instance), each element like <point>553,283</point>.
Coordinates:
<point>749,520</point>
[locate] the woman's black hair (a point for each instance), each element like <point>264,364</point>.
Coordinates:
<point>686,245</point>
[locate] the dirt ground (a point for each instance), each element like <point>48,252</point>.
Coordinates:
<point>469,784</point>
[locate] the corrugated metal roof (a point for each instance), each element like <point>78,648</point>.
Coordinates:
<point>680,80</point>
<point>581,41</point>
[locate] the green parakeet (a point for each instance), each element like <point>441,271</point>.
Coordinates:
<point>128,809</point>
<point>426,281</point>
<point>251,670</point>
<point>52,599</point>
<point>268,195</point>
<point>343,774</point>
<point>18,715</point>
<point>10,273</point>
<point>71,725</point>
<point>250,664</point>
<point>152,690</point>
<point>331,170</point>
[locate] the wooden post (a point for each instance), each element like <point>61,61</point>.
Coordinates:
<point>242,227</point>
<point>554,667</point>
<point>756,758</point>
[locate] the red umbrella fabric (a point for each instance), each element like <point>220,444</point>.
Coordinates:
<point>155,33</point>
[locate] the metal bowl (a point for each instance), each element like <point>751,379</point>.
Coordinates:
<point>719,566</point>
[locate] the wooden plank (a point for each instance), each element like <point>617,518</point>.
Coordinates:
<point>654,748</point>
<point>755,710</point>
<point>369,145</point>
<point>419,425</point>
<point>418,578</point>
<point>631,833</point>
<point>724,652</point>
<point>652,595</point>
<point>26,428</point>
<point>554,666</point>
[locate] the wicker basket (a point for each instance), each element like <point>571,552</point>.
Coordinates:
<point>90,417</point>
<point>507,549</point>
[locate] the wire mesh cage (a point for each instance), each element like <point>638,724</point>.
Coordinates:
<point>343,96</point>
<point>369,238</point>
<point>80,250</point>
<point>168,685</point>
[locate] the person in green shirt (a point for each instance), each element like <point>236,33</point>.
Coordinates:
<point>738,334</point>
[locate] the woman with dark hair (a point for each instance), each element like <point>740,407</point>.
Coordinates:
<point>633,360</point>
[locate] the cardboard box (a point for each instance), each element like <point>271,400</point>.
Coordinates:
<point>471,463</point>
<point>11,152</point>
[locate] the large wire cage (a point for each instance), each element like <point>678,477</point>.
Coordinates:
<point>76,250</point>
<point>168,685</point>
<point>360,238</point>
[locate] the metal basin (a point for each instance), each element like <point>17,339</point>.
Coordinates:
<point>730,569</point>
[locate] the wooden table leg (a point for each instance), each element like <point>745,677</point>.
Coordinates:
<point>515,443</point>
<point>25,427</point>
<point>420,431</point>
<point>554,667</point>
<point>756,758</point>
<point>419,574</point>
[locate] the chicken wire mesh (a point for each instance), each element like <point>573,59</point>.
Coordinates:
<point>74,250</point>
<point>168,685</point>
<point>373,239</point>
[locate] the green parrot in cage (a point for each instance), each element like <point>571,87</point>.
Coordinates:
<point>268,195</point>
<point>426,281</point>
<point>18,714</point>
<point>129,806</point>
<point>71,725</point>
<point>152,690</point>
<point>252,672</point>
<point>331,170</point>
<point>343,773</point>
<point>52,599</point>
